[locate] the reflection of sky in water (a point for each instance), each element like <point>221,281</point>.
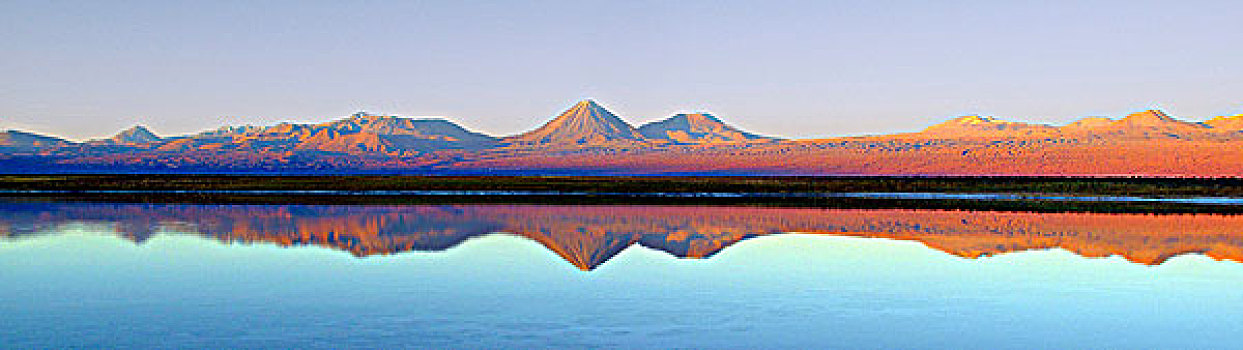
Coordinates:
<point>501,290</point>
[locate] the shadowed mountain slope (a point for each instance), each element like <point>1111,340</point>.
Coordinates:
<point>135,134</point>
<point>25,141</point>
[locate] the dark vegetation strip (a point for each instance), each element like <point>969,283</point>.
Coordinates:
<point>1117,186</point>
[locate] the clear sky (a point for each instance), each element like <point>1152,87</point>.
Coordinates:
<point>789,68</point>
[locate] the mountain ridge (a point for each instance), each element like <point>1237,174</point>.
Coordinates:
<point>587,138</point>
<point>1152,124</point>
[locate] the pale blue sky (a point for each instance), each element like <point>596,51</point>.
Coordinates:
<point>789,68</point>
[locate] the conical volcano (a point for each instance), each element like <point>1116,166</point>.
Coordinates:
<point>585,123</point>
<point>136,134</point>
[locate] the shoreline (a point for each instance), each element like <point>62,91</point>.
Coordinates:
<point>1146,187</point>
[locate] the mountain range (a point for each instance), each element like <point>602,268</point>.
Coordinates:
<point>589,139</point>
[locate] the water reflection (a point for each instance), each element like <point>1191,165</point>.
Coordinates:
<point>588,236</point>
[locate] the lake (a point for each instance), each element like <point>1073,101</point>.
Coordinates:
<point>121,275</point>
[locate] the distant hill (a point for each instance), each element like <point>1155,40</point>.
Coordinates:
<point>977,126</point>
<point>1151,124</point>
<point>19,141</point>
<point>697,128</point>
<point>1234,122</point>
<point>1146,125</point>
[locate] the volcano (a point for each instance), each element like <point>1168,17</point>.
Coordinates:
<point>697,128</point>
<point>136,134</point>
<point>585,123</point>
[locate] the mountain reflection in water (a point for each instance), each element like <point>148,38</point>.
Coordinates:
<point>588,236</point>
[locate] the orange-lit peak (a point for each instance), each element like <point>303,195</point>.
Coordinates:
<point>972,122</point>
<point>584,123</point>
<point>974,119</point>
<point>1151,116</point>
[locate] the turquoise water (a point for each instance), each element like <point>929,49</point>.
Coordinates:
<point>86,275</point>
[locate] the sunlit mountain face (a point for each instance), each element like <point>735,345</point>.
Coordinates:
<point>588,236</point>
<point>586,123</point>
<point>698,128</point>
<point>589,139</point>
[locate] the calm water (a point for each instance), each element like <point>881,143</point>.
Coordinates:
<point>886,195</point>
<point>493,276</point>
